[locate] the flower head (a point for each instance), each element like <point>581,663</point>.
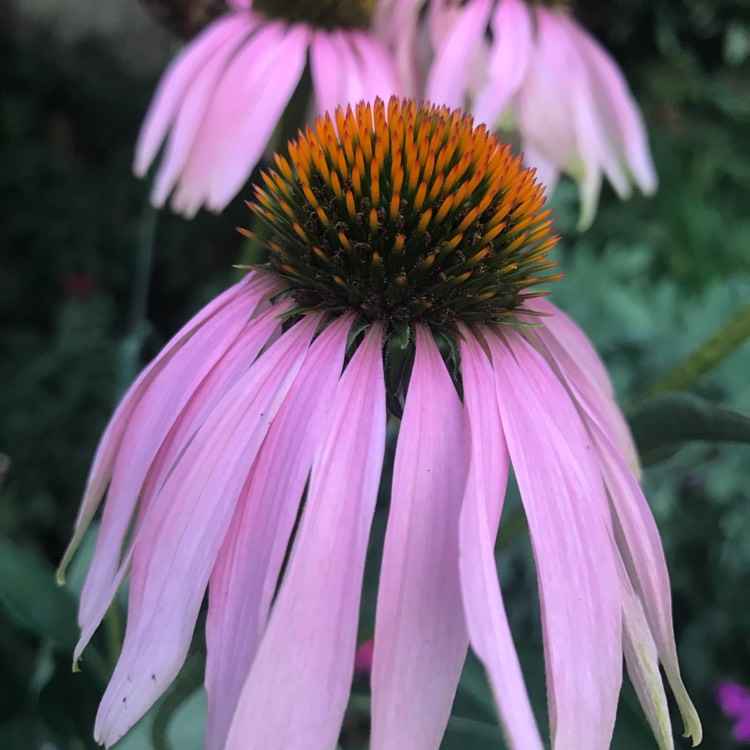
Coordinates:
<point>384,224</point>
<point>220,100</point>
<point>545,77</point>
<point>406,215</point>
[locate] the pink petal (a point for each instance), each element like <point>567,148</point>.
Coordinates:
<point>642,660</point>
<point>230,101</point>
<point>297,690</point>
<point>280,72</point>
<point>107,450</point>
<point>378,72</point>
<point>567,512</point>
<point>580,363</point>
<point>511,52</point>
<point>245,576</point>
<point>193,108</point>
<point>618,108</point>
<point>547,172</point>
<point>327,72</point>
<point>420,635</point>
<point>181,534</point>
<point>448,80</point>
<point>169,415</point>
<point>397,26</point>
<point>487,622</point>
<point>352,87</point>
<point>176,82</point>
<point>640,545</point>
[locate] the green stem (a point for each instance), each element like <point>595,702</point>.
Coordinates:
<point>717,348</point>
<point>113,629</point>
<point>133,341</point>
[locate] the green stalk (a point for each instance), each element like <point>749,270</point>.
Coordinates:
<point>707,356</point>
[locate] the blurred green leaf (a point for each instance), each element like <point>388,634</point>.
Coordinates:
<point>30,597</point>
<point>663,424</point>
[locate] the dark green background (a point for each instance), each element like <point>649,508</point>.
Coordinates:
<point>84,303</point>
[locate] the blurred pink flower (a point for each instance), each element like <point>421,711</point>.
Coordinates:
<point>544,76</point>
<point>223,95</point>
<point>246,410</point>
<point>734,700</point>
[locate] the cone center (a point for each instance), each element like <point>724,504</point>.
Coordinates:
<point>405,213</point>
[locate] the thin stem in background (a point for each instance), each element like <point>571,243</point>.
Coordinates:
<point>138,327</point>
<point>708,356</point>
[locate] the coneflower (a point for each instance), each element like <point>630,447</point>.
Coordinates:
<point>222,97</point>
<point>546,78</point>
<point>407,248</point>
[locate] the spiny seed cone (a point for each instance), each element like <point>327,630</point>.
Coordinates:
<point>406,213</point>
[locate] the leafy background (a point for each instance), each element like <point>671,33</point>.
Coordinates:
<point>94,282</point>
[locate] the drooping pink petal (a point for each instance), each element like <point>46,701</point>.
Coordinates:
<point>566,509</point>
<point>179,539</point>
<point>449,78</point>
<point>230,101</point>
<point>192,110</point>
<point>246,573</point>
<point>107,450</point>
<point>169,415</point>
<point>641,549</point>
<point>544,104</point>
<point>579,361</point>
<point>509,58</point>
<point>327,72</point>
<point>558,117</point>
<point>378,73</point>
<point>642,661</point>
<point>420,635</point>
<point>637,538</point>
<point>619,109</point>
<point>487,622</point>
<point>296,694</point>
<point>176,82</point>
<point>397,25</point>
<point>280,73</point>
<point>352,74</point>
<point>547,172</point>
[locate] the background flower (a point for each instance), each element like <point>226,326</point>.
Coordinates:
<point>223,96</point>
<point>548,79</point>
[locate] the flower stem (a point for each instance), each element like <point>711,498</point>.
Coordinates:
<point>707,356</point>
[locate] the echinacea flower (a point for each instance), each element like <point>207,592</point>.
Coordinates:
<point>548,79</point>
<point>387,228</point>
<point>224,94</point>
<point>734,700</point>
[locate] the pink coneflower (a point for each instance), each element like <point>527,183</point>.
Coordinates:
<point>222,97</point>
<point>545,77</point>
<point>395,234</point>
<point>734,700</point>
